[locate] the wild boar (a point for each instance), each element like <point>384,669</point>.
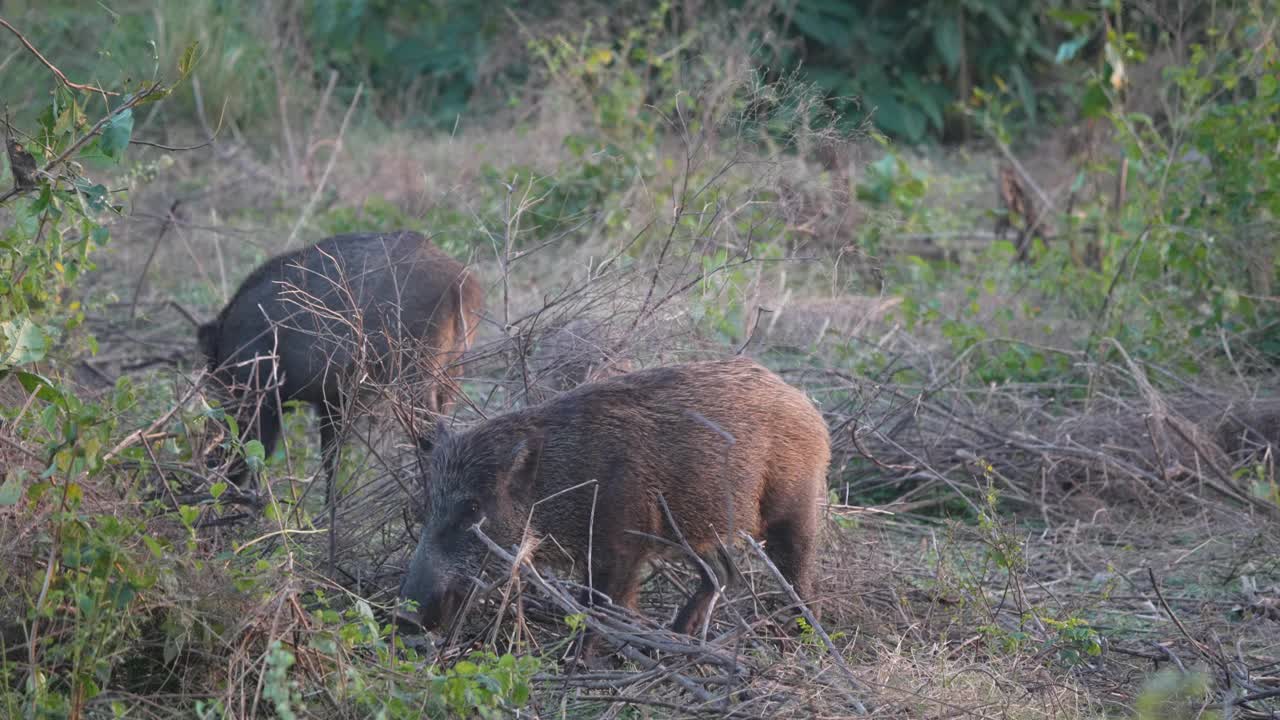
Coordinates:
<point>319,320</point>
<point>728,444</point>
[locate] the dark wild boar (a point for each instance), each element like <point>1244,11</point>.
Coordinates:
<point>638,435</point>
<point>391,305</point>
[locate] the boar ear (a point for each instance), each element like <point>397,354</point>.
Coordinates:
<point>525,459</point>
<point>427,442</point>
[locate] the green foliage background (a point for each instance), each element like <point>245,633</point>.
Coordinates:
<point>428,63</point>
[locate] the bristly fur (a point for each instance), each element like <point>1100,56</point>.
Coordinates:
<point>727,445</point>
<point>289,320</point>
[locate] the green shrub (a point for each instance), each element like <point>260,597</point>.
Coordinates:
<point>120,44</point>
<point>909,63</point>
<point>1193,251</point>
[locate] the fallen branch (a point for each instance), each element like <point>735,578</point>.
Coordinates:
<point>53,68</point>
<point>858,706</point>
<point>627,638</point>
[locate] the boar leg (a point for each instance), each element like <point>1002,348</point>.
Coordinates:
<point>792,550</point>
<point>264,426</point>
<point>619,580</point>
<point>330,441</point>
<point>330,427</point>
<point>694,612</point>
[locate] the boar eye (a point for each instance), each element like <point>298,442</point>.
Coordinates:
<point>469,509</point>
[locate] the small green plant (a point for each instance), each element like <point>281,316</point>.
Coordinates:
<point>487,684</point>
<point>277,688</point>
<point>1175,695</point>
<point>1009,641</point>
<point>1262,481</point>
<point>374,213</point>
<point>891,181</point>
<point>809,636</point>
<point>614,78</point>
<point>382,677</point>
<point>577,622</point>
<point>915,60</point>
<point>1003,546</point>
<point>1191,251</point>
<point>1076,640</point>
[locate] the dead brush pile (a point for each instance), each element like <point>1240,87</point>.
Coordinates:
<point>1116,441</point>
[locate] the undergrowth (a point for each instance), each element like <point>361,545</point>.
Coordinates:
<point>1002,429</point>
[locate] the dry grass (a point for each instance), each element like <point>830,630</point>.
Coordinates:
<point>1009,515</point>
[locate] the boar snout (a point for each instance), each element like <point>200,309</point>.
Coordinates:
<point>436,597</point>
<point>433,608</point>
<point>406,617</point>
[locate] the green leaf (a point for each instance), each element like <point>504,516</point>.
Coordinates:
<point>1069,49</point>
<point>11,491</point>
<point>69,119</point>
<point>115,135</point>
<point>1267,85</point>
<point>171,650</point>
<point>155,546</point>
<point>42,387</point>
<point>520,695</point>
<point>896,118</point>
<point>188,513</point>
<point>254,454</point>
<point>187,62</point>
<point>922,97</point>
<point>1026,93</point>
<point>996,16</point>
<point>38,490</point>
<point>123,593</point>
<point>217,489</point>
<point>1095,102</point>
<point>818,26</point>
<point>1078,182</point>
<point>1266,491</point>
<point>95,195</point>
<point>1231,298</point>
<point>949,42</point>
<point>1075,19</point>
<point>365,610</point>
<point>27,342</point>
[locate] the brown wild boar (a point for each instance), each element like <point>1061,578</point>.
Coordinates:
<point>636,435</point>
<point>320,316</point>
